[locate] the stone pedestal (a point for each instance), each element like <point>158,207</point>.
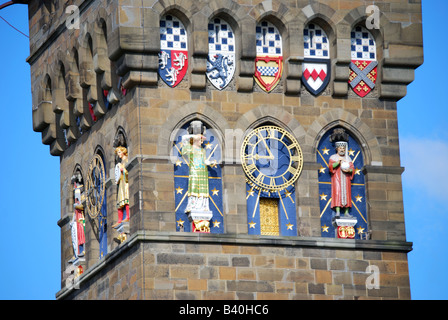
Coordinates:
<point>200,220</point>
<point>79,265</point>
<point>345,227</point>
<point>123,230</point>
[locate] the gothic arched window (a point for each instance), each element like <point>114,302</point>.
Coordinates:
<point>96,199</point>
<point>197,154</point>
<point>272,162</point>
<point>77,223</point>
<point>348,189</point>
<point>102,217</point>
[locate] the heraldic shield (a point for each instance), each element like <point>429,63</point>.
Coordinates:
<point>221,57</point>
<point>316,74</point>
<point>173,58</point>
<point>316,65</point>
<point>363,67</point>
<point>268,71</point>
<point>269,60</point>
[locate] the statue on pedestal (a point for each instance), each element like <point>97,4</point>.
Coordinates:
<point>77,225</point>
<point>198,209</point>
<point>342,172</point>
<point>121,179</point>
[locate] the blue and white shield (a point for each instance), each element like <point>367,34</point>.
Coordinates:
<point>221,57</point>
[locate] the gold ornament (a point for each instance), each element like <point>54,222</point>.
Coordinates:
<point>202,226</point>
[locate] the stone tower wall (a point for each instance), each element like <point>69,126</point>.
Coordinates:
<point>118,40</point>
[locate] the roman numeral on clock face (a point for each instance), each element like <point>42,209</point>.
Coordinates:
<point>293,145</point>
<point>251,168</point>
<point>292,170</point>
<point>248,157</point>
<point>260,178</point>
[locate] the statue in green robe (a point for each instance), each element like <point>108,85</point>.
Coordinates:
<point>198,189</point>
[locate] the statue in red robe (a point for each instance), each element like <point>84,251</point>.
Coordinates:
<point>342,172</point>
<point>77,224</point>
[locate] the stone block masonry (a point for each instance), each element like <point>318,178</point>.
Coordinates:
<point>171,266</point>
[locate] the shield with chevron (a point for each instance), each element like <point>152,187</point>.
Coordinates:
<point>363,67</point>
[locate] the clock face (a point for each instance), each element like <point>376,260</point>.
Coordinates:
<point>95,186</point>
<point>271,158</point>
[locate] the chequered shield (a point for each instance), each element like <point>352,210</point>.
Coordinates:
<point>269,60</point>
<point>221,57</point>
<point>363,68</point>
<point>316,69</point>
<point>173,58</point>
<point>268,71</point>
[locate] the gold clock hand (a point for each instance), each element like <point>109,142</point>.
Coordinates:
<point>270,157</point>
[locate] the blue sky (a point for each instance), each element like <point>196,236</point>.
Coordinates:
<point>30,242</point>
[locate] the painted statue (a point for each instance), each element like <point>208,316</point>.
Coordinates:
<point>121,179</point>
<point>342,172</point>
<point>77,225</point>
<point>198,189</point>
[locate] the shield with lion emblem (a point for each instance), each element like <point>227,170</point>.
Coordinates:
<point>173,58</point>
<point>221,57</point>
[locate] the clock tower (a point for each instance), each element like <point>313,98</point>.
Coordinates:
<point>226,149</point>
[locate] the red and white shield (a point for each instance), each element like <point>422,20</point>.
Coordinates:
<point>173,65</point>
<point>173,58</point>
<point>316,68</point>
